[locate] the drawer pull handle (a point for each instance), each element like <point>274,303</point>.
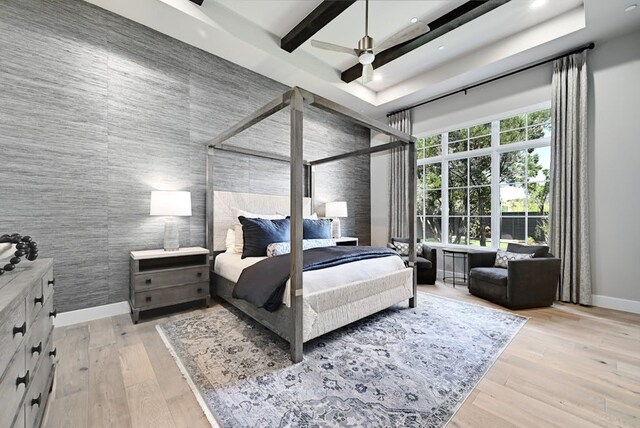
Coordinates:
<point>23,379</point>
<point>199,273</point>
<point>38,300</point>
<point>52,282</point>
<point>53,313</point>
<point>22,329</point>
<point>147,299</point>
<point>37,349</point>
<point>36,401</point>
<point>199,290</point>
<point>54,352</point>
<point>147,281</point>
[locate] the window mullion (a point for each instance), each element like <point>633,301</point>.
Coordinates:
<point>495,184</point>
<point>444,238</point>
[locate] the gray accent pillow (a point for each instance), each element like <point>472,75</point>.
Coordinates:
<point>279,248</point>
<point>504,257</point>
<point>403,248</point>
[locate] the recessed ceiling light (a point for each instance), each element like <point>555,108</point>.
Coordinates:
<point>414,20</point>
<point>377,77</point>
<point>630,7</point>
<point>537,3</point>
<point>441,47</point>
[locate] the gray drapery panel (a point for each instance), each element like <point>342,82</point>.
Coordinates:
<point>569,219</point>
<point>398,179</point>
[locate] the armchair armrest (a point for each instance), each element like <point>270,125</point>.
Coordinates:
<point>533,281</point>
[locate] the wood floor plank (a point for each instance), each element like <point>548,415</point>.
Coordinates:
<point>108,404</point>
<point>568,366</point>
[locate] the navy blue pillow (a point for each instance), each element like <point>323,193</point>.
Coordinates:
<point>258,233</point>
<point>317,229</point>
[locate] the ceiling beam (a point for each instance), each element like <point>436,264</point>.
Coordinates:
<point>326,12</point>
<point>450,21</point>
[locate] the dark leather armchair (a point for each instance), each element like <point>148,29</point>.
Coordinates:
<point>528,283</point>
<point>426,264</point>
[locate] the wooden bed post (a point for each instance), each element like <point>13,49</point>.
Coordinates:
<point>297,196</point>
<point>411,168</point>
<point>209,209</point>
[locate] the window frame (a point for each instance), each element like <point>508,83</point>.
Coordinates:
<point>495,150</point>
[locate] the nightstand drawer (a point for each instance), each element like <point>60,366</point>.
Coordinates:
<point>12,387</point>
<point>171,295</point>
<point>13,329</point>
<point>153,280</point>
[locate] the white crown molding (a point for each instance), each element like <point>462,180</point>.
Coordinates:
<point>90,314</point>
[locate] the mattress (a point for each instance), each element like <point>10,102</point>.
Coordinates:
<point>230,266</point>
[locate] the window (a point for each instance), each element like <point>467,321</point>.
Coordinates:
<point>486,184</point>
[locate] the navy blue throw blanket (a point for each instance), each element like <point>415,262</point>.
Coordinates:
<point>263,283</point>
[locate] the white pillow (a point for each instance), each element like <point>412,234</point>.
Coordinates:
<point>504,257</point>
<point>237,227</point>
<point>230,241</point>
<point>313,216</point>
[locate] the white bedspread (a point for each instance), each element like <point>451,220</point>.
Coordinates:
<point>230,265</point>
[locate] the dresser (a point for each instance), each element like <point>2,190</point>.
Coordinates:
<point>27,356</point>
<point>161,278</point>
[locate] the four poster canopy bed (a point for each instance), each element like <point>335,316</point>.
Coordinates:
<point>339,285</point>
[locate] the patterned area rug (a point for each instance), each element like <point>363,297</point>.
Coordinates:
<point>400,367</point>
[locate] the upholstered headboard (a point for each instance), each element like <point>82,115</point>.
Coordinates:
<point>225,202</point>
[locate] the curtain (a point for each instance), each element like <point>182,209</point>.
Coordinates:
<point>569,219</point>
<point>398,179</point>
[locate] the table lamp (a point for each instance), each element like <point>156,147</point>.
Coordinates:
<point>170,204</point>
<point>335,210</point>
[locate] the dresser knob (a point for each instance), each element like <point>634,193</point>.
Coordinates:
<point>147,299</point>
<point>53,313</point>
<point>199,290</point>
<point>36,401</point>
<point>52,282</point>
<point>23,379</point>
<point>199,273</point>
<point>54,352</point>
<point>38,300</point>
<point>147,281</point>
<point>37,349</point>
<point>22,329</point>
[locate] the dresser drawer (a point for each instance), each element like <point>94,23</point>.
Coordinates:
<point>47,284</point>
<point>19,421</point>
<point>153,280</point>
<point>171,295</point>
<point>38,335</point>
<point>12,319</point>
<point>38,391</point>
<point>12,387</point>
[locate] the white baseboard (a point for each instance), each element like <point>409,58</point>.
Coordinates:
<point>90,314</point>
<point>625,305</point>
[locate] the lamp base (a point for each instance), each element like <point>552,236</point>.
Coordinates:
<point>171,237</point>
<point>335,228</point>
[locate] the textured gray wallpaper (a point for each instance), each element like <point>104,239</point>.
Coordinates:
<point>96,111</point>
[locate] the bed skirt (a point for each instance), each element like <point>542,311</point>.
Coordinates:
<point>330,309</point>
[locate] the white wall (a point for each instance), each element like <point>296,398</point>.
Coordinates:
<point>614,149</point>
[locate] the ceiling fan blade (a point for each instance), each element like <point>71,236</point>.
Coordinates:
<point>404,35</point>
<point>332,47</point>
<point>367,73</point>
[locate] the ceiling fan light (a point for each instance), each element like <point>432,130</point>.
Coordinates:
<point>366,58</point>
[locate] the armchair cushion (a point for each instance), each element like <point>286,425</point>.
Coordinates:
<point>537,250</point>
<point>494,275</point>
<point>420,261</point>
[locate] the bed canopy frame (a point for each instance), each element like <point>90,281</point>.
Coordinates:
<point>295,99</point>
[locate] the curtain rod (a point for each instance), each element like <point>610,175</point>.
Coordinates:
<point>493,79</point>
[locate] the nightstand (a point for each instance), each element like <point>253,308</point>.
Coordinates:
<point>346,240</point>
<point>161,278</point>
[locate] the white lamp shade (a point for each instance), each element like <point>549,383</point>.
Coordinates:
<point>170,203</point>
<point>336,209</point>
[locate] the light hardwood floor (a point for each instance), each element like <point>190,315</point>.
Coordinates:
<point>569,366</point>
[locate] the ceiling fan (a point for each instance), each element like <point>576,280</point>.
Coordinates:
<point>366,50</point>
